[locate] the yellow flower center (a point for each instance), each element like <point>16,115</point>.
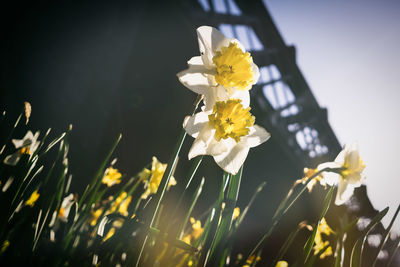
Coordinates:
<point>233,67</point>
<point>25,150</point>
<point>347,171</point>
<point>230,119</point>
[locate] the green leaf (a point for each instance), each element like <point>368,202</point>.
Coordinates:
<point>288,242</point>
<point>156,201</point>
<point>310,242</point>
<point>355,258</point>
<point>226,219</point>
<point>214,222</point>
<point>386,235</point>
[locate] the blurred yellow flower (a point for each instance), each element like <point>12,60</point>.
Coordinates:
<point>123,207</point>
<point>251,259</point>
<point>349,174</point>
<point>236,213</point>
<point>4,246</point>
<point>32,199</point>
<point>94,216</point>
<point>196,232</point>
<point>323,228</point>
<point>111,177</point>
<point>281,264</point>
<point>144,174</point>
<point>110,233</point>
<point>157,172</point>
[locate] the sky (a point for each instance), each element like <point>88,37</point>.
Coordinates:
<point>348,52</point>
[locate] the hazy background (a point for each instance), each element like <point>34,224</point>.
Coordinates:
<point>348,53</point>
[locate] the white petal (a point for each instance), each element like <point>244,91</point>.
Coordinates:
<point>233,159</point>
<point>256,73</point>
<point>257,136</point>
<point>196,81</point>
<point>353,157</point>
<point>196,61</point>
<point>209,40</point>
<point>332,165</point>
<point>199,146</point>
<point>344,193</point>
<point>12,159</point>
<point>217,93</point>
<point>330,178</point>
<point>243,95</point>
<point>194,124</point>
<point>27,140</point>
<point>215,148</point>
<point>355,179</point>
<point>340,158</point>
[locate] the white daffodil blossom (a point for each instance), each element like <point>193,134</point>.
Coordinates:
<point>223,71</point>
<point>349,174</point>
<point>66,206</point>
<point>227,133</point>
<point>26,145</point>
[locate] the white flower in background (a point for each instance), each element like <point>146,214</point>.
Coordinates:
<point>26,145</point>
<point>349,174</point>
<point>223,71</point>
<point>65,208</point>
<point>227,132</point>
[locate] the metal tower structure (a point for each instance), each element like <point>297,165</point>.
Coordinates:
<point>282,99</point>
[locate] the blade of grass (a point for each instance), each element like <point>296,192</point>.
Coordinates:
<point>386,235</point>
<point>310,242</point>
<point>355,257</point>
<point>162,188</point>
<point>96,182</point>
<point>226,219</point>
<point>288,242</point>
<point>214,222</point>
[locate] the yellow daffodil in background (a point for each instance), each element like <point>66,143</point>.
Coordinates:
<point>26,145</point>
<point>226,133</point>
<point>118,201</point>
<point>123,207</point>
<point>281,264</point>
<point>32,199</point>
<point>110,233</point>
<point>308,173</point>
<point>95,215</point>
<point>111,177</point>
<point>223,71</point>
<point>144,174</point>
<point>251,259</point>
<point>236,213</point>
<point>156,174</point>
<point>323,228</point>
<point>349,175</point>
<point>4,246</point>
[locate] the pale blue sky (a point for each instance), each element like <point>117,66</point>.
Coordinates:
<point>349,54</point>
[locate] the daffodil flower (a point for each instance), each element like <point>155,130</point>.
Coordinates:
<point>227,133</point>
<point>223,71</point>
<point>154,178</point>
<point>65,208</point>
<point>349,175</point>
<point>26,145</point>
<point>32,199</point>
<point>111,177</point>
<point>323,228</point>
